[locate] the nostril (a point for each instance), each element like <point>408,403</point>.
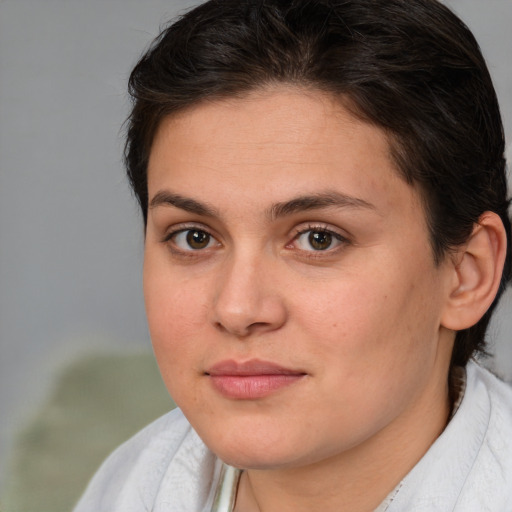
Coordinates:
<point>219,326</point>
<point>257,326</point>
<point>242,331</point>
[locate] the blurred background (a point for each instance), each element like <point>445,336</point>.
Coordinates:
<point>76,372</point>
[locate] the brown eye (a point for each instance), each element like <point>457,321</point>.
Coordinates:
<point>197,239</point>
<point>192,239</point>
<point>320,240</point>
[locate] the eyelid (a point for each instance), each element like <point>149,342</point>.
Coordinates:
<point>343,239</point>
<point>185,226</point>
<point>320,226</point>
<point>176,229</point>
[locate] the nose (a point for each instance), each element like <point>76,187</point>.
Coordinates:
<point>249,299</point>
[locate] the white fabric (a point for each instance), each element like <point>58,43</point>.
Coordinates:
<point>167,468</point>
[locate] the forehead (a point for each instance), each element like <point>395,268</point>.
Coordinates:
<point>293,114</point>
<point>272,144</point>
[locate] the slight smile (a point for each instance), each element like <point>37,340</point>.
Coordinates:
<point>252,379</point>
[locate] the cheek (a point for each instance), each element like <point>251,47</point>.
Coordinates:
<point>342,311</point>
<point>369,319</point>
<point>174,331</point>
<point>177,314</point>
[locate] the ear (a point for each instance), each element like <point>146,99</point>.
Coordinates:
<point>477,271</point>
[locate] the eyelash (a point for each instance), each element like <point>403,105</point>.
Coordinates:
<point>170,240</point>
<point>318,253</point>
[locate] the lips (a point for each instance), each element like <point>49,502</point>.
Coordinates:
<point>251,380</point>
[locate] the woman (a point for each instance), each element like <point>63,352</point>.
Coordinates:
<point>325,205</point>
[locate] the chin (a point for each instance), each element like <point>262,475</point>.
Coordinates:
<point>256,461</point>
<point>263,456</point>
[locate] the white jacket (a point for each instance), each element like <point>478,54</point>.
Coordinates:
<point>167,468</point>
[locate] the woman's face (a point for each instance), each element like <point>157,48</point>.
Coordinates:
<point>293,302</point>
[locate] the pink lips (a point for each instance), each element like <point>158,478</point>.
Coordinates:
<point>251,379</point>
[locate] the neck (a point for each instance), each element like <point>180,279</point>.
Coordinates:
<point>359,479</point>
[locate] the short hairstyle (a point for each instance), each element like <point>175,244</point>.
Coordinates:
<point>410,67</point>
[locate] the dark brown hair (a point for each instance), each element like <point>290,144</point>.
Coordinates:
<point>410,67</point>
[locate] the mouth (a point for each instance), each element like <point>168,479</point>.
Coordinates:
<point>251,380</point>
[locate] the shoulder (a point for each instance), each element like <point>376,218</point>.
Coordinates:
<point>489,483</point>
<point>498,391</point>
<point>469,467</point>
<point>132,477</point>
<point>489,392</point>
<point>490,397</point>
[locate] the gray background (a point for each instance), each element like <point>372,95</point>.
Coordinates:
<point>70,232</point>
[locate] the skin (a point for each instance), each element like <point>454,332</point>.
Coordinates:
<point>361,319</point>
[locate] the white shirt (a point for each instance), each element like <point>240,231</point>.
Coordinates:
<point>167,468</point>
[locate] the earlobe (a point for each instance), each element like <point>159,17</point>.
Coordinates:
<point>478,267</point>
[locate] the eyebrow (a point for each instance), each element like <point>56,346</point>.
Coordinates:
<point>317,202</point>
<point>277,210</point>
<point>165,198</point>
